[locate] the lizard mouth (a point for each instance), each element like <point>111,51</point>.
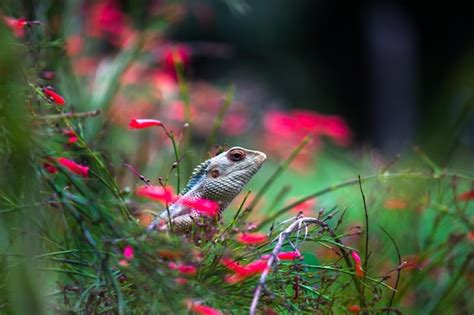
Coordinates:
<point>258,158</point>
<point>261,157</point>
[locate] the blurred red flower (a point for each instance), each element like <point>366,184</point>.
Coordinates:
<point>289,255</point>
<point>164,195</point>
<point>72,137</point>
<point>74,44</point>
<point>183,269</point>
<point>51,94</point>
<point>468,195</point>
<point>205,207</point>
<point>144,123</point>
<point>242,272</point>
<point>74,167</point>
<point>164,85</point>
<point>106,20</point>
<point>287,128</point>
<point>17,26</point>
<point>50,168</point>
<point>202,309</point>
<point>306,207</point>
<point>252,238</point>
<point>355,309</point>
<point>128,252</point>
<point>176,55</point>
<point>358,264</point>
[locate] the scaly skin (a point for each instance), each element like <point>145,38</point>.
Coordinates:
<point>220,179</point>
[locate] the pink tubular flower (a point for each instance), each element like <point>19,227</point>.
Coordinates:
<point>252,238</point>
<point>183,269</point>
<point>202,309</point>
<point>205,207</point>
<point>144,123</point>
<point>53,96</point>
<point>128,252</point>
<point>242,272</point>
<point>289,255</point>
<point>17,26</point>
<point>468,195</point>
<point>358,264</point>
<point>164,195</point>
<point>72,137</point>
<point>74,167</point>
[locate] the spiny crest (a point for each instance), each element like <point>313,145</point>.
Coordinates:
<point>198,173</point>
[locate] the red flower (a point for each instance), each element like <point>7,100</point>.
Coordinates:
<point>74,167</point>
<point>289,255</point>
<point>468,195</point>
<point>176,55</point>
<point>241,272</point>
<point>205,207</point>
<point>106,19</point>
<point>355,309</point>
<point>50,168</point>
<point>71,134</point>
<point>358,264</point>
<point>17,26</point>
<point>183,269</point>
<point>128,252</point>
<point>252,238</point>
<point>53,95</point>
<point>164,195</point>
<point>144,123</point>
<point>202,309</point>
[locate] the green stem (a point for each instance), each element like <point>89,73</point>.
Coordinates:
<point>220,118</point>
<point>412,175</point>
<point>277,173</point>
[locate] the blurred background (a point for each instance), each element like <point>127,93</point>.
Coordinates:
<point>367,81</point>
<point>398,73</point>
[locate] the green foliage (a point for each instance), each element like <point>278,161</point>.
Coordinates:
<point>62,236</point>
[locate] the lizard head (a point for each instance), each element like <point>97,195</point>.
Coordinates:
<point>225,175</point>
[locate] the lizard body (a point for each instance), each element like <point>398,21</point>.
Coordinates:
<point>219,179</point>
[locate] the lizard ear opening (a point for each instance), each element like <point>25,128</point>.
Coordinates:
<point>214,173</point>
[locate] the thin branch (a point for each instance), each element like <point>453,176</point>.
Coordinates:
<point>71,115</point>
<point>398,270</point>
<point>366,260</point>
<point>295,226</point>
<point>385,176</point>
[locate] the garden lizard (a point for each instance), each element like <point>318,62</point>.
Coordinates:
<point>218,179</point>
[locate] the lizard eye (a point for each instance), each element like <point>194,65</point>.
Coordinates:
<point>215,173</point>
<point>236,155</point>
